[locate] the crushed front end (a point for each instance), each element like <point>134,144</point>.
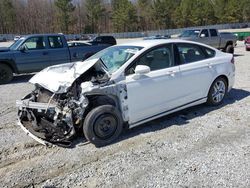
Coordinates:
<point>52,117</point>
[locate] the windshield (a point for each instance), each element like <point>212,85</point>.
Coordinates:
<point>190,33</point>
<point>16,44</point>
<point>114,57</point>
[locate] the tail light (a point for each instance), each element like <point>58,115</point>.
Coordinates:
<point>232,60</point>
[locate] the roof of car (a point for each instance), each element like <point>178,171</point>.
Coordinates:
<point>155,42</point>
<point>41,35</point>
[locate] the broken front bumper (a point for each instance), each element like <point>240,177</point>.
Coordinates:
<point>29,125</point>
<point>29,133</point>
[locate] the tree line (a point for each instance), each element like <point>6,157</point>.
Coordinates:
<point>103,16</point>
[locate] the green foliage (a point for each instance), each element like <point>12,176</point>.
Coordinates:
<point>94,11</point>
<point>194,13</point>
<point>65,9</point>
<point>163,12</point>
<point>8,16</point>
<point>144,12</point>
<point>124,16</point>
<point>96,16</point>
<point>245,4</point>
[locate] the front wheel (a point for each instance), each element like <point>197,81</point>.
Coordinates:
<point>217,92</point>
<point>6,74</point>
<point>102,125</point>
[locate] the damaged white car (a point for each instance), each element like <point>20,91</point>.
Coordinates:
<point>124,85</point>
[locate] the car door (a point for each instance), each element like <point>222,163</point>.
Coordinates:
<point>33,55</point>
<point>204,37</point>
<point>58,51</point>
<point>196,70</point>
<point>156,91</point>
<point>214,38</point>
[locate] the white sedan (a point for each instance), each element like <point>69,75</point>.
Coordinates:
<point>127,84</point>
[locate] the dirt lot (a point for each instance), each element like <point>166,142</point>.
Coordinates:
<point>198,147</point>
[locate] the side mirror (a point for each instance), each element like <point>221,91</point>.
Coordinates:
<point>142,69</point>
<point>202,35</point>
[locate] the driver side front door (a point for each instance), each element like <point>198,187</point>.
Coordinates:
<point>35,57</point>
<point>157,91</point>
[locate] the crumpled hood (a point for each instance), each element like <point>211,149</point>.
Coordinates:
<point>60,77</point>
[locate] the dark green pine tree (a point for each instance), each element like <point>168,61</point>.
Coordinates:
<point>65,9</point>
<point>124,16</point>
<point>94,12</point>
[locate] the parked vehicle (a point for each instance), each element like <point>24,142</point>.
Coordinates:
<point>32,53</point>
<point>224,41</point>
<point>16,38</point>
<point>157,37</point>
<point>103,40</point>
<point>127,84</point>
<point>86,37</point>
<point>247,43</point>
<point>3,38</point>
<point>78,43</point>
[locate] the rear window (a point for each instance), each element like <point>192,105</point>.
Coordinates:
<point>190,52</point>
<point>213,33</point>
<point>55,42</point>
<point>210,53</point>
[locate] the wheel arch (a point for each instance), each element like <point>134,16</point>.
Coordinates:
<point>220,76</point>
<point>11,64</point>
<point>96,100</point>
<point>102,99</point>
<point>229,43</point>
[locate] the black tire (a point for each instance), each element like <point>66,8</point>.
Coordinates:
<point>6,74</point>
<point>103,125</point>
<point>230,49</point>
<point>214,97</point>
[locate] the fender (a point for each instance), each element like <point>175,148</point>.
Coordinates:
<point>11,63</point>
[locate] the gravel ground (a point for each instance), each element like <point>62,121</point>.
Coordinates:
<point>198,147</point>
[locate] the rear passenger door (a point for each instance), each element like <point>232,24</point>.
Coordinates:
<point>58,51</point>
<point>196,70</point>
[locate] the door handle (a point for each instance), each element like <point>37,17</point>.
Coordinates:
<point>171,73</point>
<point>209,65</point>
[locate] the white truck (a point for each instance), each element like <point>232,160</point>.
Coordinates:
<point>224,41</point>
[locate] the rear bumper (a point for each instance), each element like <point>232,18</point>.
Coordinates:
<point>231,79</point>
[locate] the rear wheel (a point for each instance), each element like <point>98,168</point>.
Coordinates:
<point>6,74</point>
<point>217,92</point>
<point>102,125</point>
<point>230,49</point>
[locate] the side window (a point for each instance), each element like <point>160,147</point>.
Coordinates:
<point>205,32</point>
<point>210,53</point>
<point>190,53</point>
<point>156,59</point>
<point>55,42</point>
<point>106,39</point>
<point>34,43</point>
<point>213,32</point>
<point>98,39</point>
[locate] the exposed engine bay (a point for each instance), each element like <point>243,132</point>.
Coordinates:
<point>58,117</point>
